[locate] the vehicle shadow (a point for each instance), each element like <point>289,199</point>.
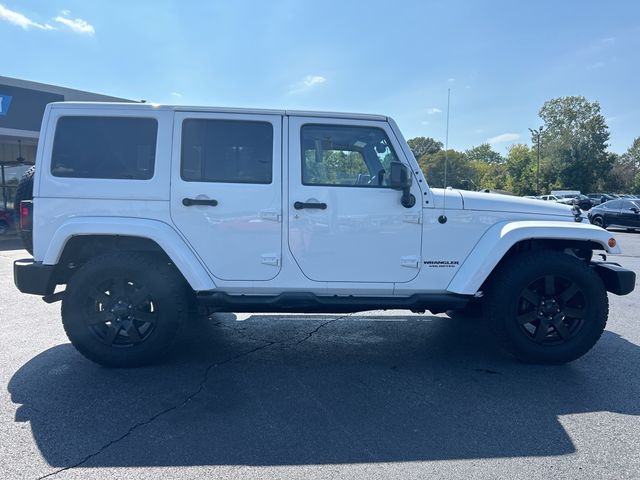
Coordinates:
<point>282,391</point>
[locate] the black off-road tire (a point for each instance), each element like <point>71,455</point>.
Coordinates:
<point>146,293</point>
<point>521,283</point>
<point>24,191</point>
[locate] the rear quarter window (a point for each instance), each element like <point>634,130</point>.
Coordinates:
<point>104,147</point>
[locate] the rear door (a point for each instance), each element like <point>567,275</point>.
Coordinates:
<point>345,223</point>
<point>226,191</point>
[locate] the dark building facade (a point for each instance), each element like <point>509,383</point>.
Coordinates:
<point>22,105</point>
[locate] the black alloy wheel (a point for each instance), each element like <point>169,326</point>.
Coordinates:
<point>121,313</point>
<point>551,310</point>
<point>546,306</point>
<point>123,309</point>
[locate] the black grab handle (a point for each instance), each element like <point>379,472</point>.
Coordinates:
<point>187,202</point>
<point>301,205</point>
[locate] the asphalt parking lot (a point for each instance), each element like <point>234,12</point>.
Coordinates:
<point>374,395</point>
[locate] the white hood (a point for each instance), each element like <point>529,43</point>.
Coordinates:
<point>506,203</point>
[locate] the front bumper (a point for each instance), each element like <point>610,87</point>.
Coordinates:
<point>616,279</point>
<point>34,277</point>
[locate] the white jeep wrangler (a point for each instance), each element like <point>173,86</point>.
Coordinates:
<point>143,211</point>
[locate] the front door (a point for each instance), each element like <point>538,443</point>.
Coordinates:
<point>226,191</point>
<point>628,216</point>
<point>345,223</point>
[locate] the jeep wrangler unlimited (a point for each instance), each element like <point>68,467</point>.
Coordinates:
<point>141,211</point>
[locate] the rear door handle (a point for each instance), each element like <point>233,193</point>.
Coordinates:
<point>187,202</point>
<point>301,205</point>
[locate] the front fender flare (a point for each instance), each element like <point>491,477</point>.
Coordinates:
<point>498,239</point>
<point>163,234</point>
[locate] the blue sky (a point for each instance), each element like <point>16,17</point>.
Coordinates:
<point>501,59</point>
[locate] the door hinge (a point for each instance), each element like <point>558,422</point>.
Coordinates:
<point>271,215</point>
<point>410,262</point>
<point>412,218</point>
<point>270,259</point>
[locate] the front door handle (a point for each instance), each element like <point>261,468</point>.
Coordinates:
<point>301,205</point>
<point>187,202</point>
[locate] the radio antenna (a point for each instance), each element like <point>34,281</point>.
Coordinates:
<point>443,218</point>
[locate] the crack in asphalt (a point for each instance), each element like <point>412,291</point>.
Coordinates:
<point>312,333</point>
<point>191,396</point>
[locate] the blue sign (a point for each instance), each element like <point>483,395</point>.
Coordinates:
<point>5,102</point>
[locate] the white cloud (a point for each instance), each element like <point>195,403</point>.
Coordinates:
<point>78,25</point>
<point>176,94</point>
<point>309,82</point>
<point>503,138</point>
<point>312,80</point>
<point>451,80</point>
<point>433,110</point>
<point>21,20</point>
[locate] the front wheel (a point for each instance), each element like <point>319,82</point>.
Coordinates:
<point>547,307</point>
<point>123,309</point>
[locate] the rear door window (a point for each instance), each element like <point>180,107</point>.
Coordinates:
<point>226,151</point>
<point>104,147</point>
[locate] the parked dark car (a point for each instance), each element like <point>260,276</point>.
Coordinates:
<point>598,198</point>
<point>581,201</point>
<point>617,213</point>
<point>6,220</point>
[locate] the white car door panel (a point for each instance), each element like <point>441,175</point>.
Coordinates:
<point>226,194</point>
<point>346,232</point>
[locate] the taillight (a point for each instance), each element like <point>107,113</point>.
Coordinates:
<point>26,217</point>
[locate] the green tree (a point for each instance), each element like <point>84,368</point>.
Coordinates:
<point>459,169</point>
<point>575,140</point>
<point>631,160</point>
<point>619,178</point>
<point>521,168</point>
<point>484,153</point>
<point>424,146</point>
<point>493,176</point>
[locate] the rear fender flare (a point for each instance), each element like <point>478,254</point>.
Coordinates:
<point>161,233</point>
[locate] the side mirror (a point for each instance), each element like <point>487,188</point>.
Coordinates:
<point>635,209</point>
<point>400,179</point>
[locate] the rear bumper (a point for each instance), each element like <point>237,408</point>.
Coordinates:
<point>33,277</point>
<point>616,279</point>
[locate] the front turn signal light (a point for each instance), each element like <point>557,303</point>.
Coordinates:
<point>612,242</point>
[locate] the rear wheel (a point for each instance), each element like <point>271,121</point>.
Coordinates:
<point>123,309</point>
<point>547,307</point>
